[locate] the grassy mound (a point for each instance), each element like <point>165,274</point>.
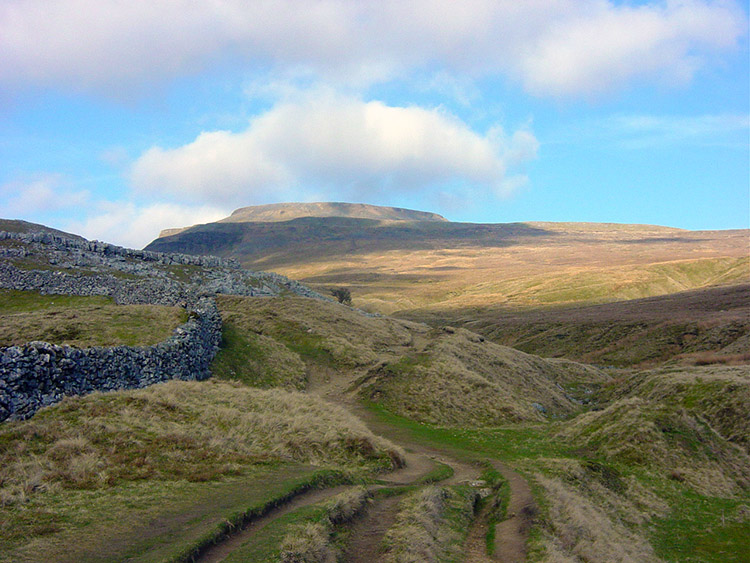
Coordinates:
<point>319,331</point>
<point>82,321</point>
<point>671,440</point>
<point>255,359</point>
<point>177,430</point>
<point>448,376</point>
<point>719,394</point>
<point>460,379</point>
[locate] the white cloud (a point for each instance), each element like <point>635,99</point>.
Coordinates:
<point>134,226</point>
<point>43,194</point>
<point>335,145</point>
<point>554,47</point>
<point>644,131</point>
<point>603,47</point>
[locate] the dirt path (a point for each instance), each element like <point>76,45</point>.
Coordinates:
<point>475,548</point>
<point>511,534</point>
<point>367,531</point>
<point>220,551</point>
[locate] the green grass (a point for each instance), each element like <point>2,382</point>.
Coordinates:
<point>310,347</point>
<point>83,321</point>
<point>702,529</point>
<point>506,443</point>
<point>13,301</point>
<point>441,472</point>
<point>256,360</point>
<point>408,365</point>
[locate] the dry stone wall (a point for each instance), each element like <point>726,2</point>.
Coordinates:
<point>39,374</point>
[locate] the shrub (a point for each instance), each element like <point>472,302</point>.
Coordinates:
<point>342,294</point>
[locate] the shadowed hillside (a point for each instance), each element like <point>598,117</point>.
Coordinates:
<point>703,326</point>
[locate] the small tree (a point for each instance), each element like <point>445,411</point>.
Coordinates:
<point>342,294</point>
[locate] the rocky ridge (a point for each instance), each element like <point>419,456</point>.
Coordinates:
<point>48,263</point>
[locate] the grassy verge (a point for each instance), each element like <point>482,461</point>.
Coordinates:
<point>441,472</point>
<point>147,521</point>
<point>282,494</point>
<point>498,503</point>
<point>431,525</point>
<point>310,533</point>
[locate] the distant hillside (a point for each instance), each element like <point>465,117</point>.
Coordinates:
<point>402,265</point>
<point>701,327</point>
<point>277,212</point>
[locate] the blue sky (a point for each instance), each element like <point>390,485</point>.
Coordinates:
<point>119,119</point>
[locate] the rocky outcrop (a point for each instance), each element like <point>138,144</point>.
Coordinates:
<point>39,374</point>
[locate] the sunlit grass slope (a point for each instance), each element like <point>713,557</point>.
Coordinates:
<point>446,376</point>
<point>404,265</point>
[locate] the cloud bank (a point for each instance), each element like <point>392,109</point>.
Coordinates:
<point>555,48</point>
<point>134,226</point>
<point>47,193</point>
<point>338,146</point>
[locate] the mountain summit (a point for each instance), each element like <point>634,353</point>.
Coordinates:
<point>287,211</point>
<point>278,212</point>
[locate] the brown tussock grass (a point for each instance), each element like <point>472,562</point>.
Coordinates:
<point>179,430</point>
<point>424,531</point>
<point>580,530</point>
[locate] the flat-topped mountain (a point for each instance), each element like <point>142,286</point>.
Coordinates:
<point>405,264</point>
<point>278,212</point>
<point>287,211</point>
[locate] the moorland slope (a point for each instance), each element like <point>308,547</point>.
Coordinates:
<point>401,265</point>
